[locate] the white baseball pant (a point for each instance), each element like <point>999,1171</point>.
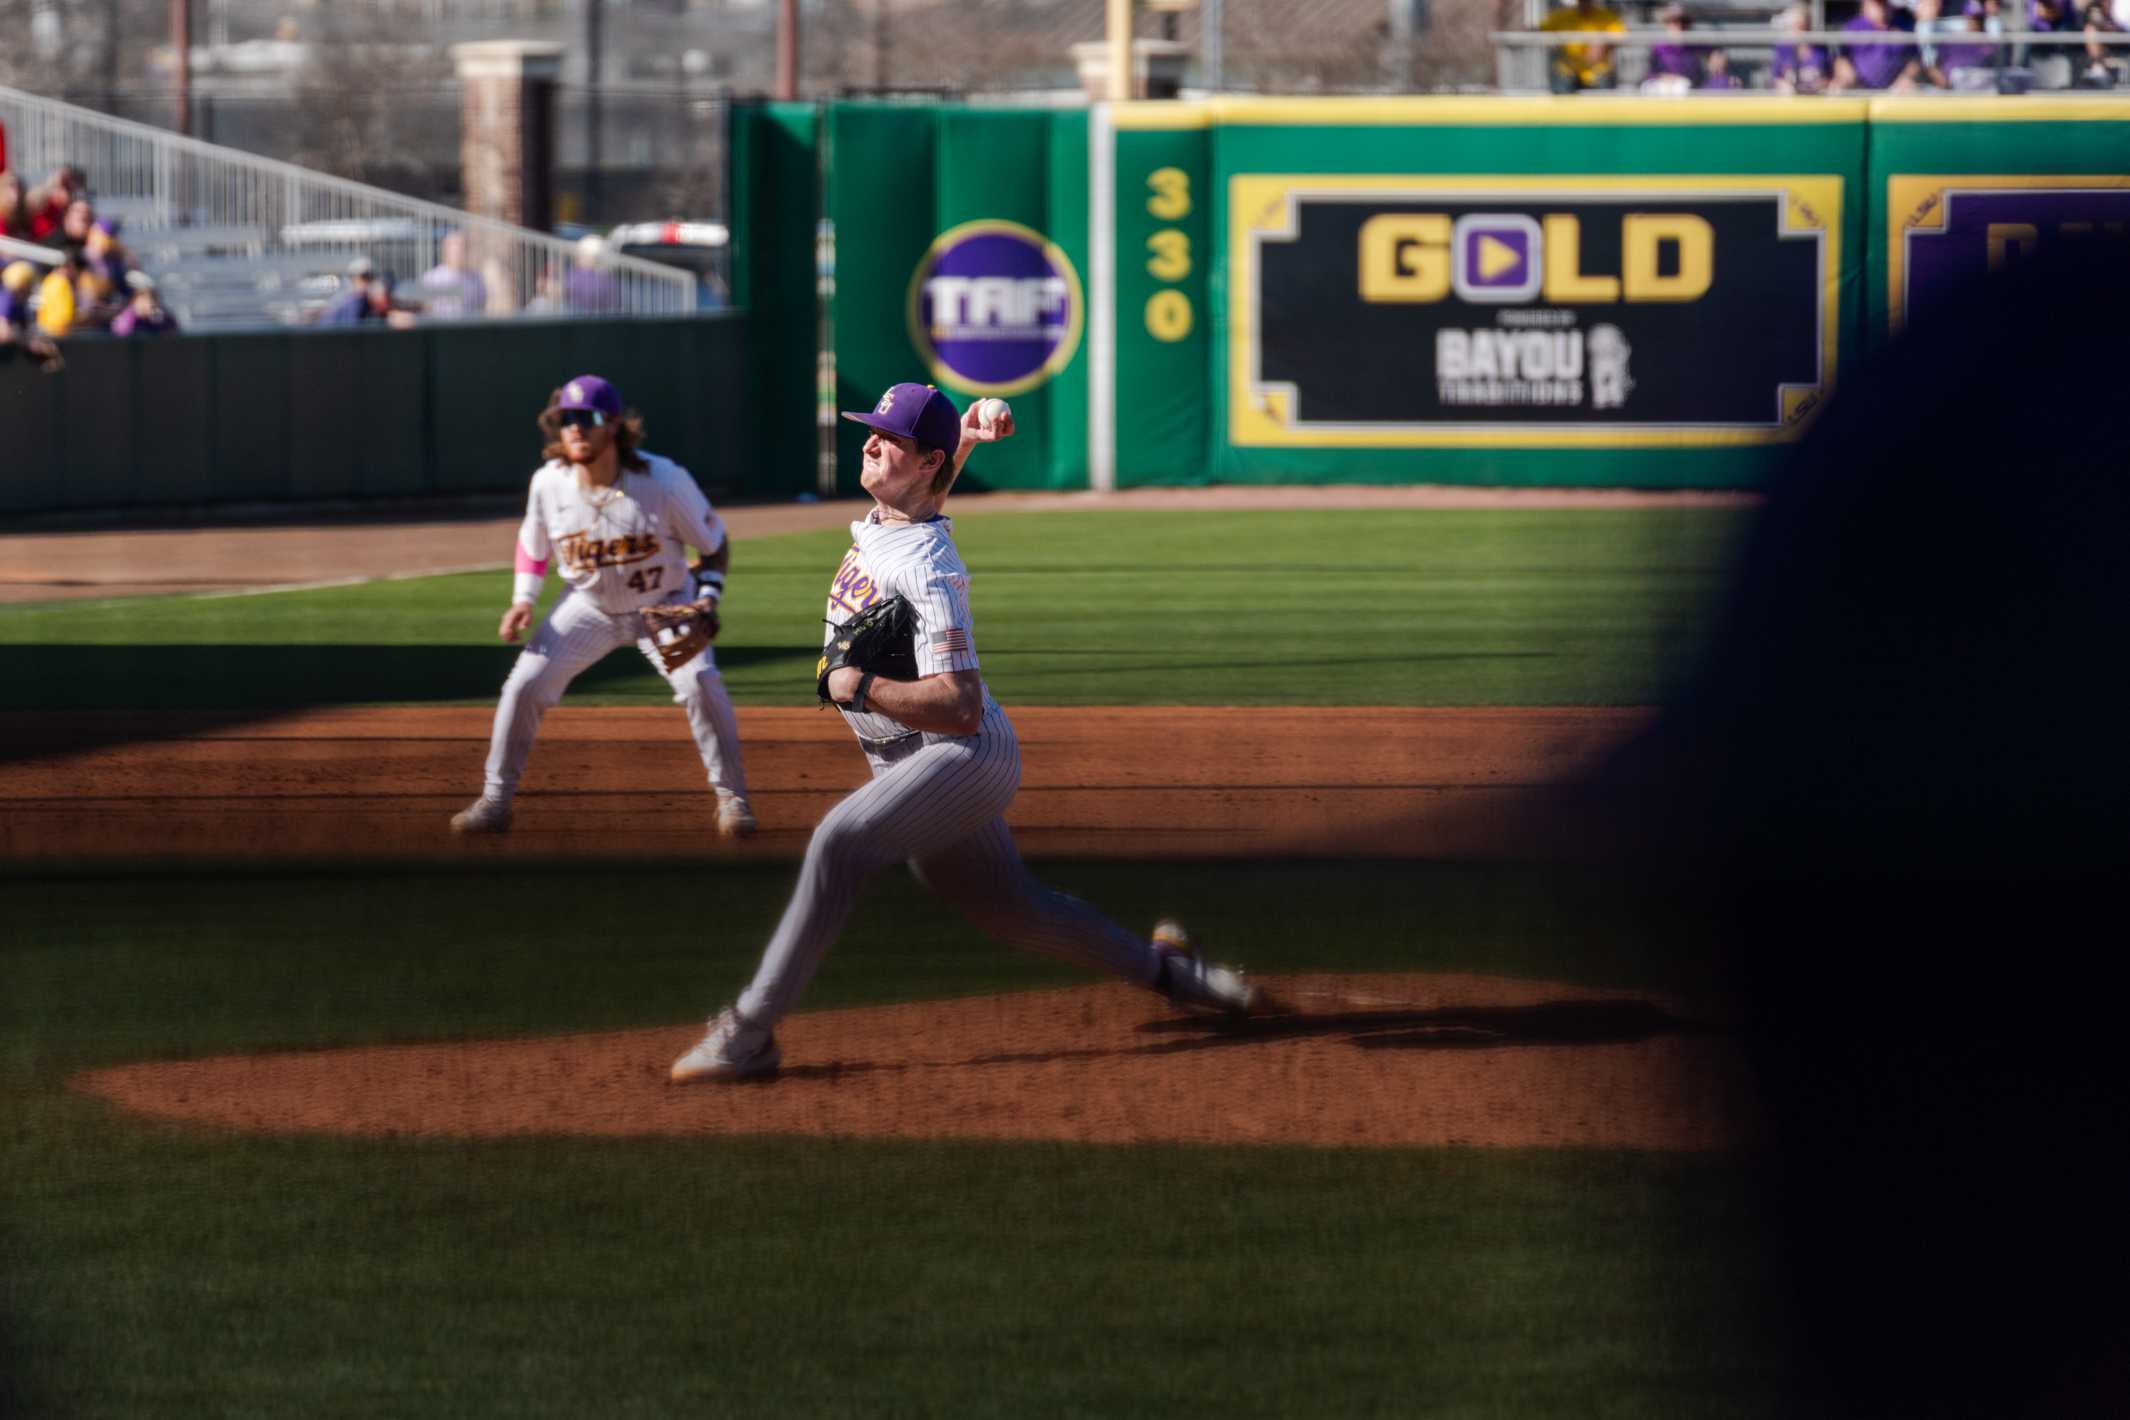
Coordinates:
<point>573,638</point>
<point>935,801</point>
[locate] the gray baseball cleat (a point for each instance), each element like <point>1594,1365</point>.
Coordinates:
<point>483,815</point>
<point>1189,980</point>
<point>735,816</point>
<point>734,1049</point>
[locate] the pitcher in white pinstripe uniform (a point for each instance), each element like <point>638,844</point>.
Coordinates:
<point>945,765</point>
<point>619,522</point>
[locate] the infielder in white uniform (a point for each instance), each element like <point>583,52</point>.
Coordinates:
<point>944,759</point>
<point>618,521</point>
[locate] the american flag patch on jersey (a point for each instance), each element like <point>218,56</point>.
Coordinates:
<point>952,642</point>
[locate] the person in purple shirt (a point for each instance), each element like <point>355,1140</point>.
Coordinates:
<point>1671,57</point>
<point>1951,59</point>
<point>1716,73</point>
<point>589,286</point>
<point>1876,66</point>
<point>144,314</point>
<point>1797,68</point>
<point>2051,16</point>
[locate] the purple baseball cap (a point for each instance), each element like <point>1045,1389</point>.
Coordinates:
<point>591,392</point>
<point>917,412</point>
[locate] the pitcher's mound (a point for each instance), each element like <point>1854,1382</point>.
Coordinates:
<point>1352,1061</point>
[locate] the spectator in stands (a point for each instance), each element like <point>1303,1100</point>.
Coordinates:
<point>1671,57</point>
<point>2050,16</point>
<point>49,202</point>
<point>590,288</point>
<point>1798,68</point>
<point>17,279</point>
<point>144,313</point>
<point>1716,71</point>
<point>352,305</point>
<point>18,328</point>
<point>1893,67</point>
<point>547,298</point>
<point>2100,18</point>
<point>14,208</point>
<point>76,222</point>
<point>452,290</point>
<point>56,298</point>
<point>1583,66</point>
<point>108,263</point>
<point>368,298</point>
<point>1971,67</point>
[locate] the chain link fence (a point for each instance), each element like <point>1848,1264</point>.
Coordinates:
<point>363,89</point>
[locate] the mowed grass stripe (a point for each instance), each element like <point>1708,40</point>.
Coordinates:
<point>1382,607</point>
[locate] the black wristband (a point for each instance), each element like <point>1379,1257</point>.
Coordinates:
<point>857,700</point>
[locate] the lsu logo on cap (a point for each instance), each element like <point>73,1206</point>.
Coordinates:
<point>886,402</point>
<point>576,392</point>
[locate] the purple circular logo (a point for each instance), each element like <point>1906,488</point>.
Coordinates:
<point>994,308</point>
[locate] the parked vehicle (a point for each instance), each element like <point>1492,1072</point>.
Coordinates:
<point>701,248</point>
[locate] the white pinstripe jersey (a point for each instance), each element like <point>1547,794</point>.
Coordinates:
<point>626,551</point>
<point>918,562</point>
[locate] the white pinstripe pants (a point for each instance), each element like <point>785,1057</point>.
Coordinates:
<point>573,638</point>
<point>937,802</point>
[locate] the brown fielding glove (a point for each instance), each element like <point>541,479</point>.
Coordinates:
<point>680,630</point>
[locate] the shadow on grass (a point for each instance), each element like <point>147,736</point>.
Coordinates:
<point>221,686</point>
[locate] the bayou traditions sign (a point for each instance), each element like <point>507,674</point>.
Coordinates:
<point>1400,312</point>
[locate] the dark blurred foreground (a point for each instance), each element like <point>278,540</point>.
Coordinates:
<point>1903,769</point>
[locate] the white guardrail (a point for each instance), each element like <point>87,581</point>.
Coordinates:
<point>237,240</point>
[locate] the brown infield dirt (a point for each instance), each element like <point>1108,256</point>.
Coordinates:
<point>1349,1062</point>
<point>1369,1061</point>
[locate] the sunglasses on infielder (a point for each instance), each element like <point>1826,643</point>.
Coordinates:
<point>582,419</point>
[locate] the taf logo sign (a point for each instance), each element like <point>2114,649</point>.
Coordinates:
<point>994,308</point>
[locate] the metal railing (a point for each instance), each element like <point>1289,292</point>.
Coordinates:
<point>13,250</point>
<point>237,240</point>
<point>1522,67</point>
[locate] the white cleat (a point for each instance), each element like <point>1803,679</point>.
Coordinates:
<point>1190,981</point>
<point>734,1049</point>
<point>735,817</point>
<point>483,815</point>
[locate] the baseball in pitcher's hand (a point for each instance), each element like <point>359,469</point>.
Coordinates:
<point>515,621</point>
<point>986,421</point>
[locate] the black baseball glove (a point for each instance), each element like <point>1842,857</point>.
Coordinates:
<point>880,639</point>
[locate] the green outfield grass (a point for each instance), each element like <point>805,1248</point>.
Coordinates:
<point>155,1270</point>
<point>1377,607</point>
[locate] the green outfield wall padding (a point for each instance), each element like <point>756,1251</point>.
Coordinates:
<point>1166,258</point>
<point>961,256</point>
<point>298,416</point>
<point>1963,187</point>
<point>774,172</point>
